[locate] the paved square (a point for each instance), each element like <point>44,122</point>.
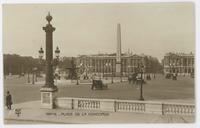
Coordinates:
<point>159,89</point>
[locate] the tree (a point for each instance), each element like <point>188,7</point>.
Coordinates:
<point>16,64</point>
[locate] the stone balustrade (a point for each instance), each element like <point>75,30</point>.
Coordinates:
<point>113,105</point>
<point>130,106</point>
<point>88,104</point>
<point>178,109</point>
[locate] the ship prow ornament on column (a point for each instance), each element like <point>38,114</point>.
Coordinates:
<point>118,55</point>
<point>49,90</point>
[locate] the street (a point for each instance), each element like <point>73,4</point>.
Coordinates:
<point>156,89</point>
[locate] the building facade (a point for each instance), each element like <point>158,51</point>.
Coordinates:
<point>116,64</point>
<point>105,64</point>
<point>180,63</point>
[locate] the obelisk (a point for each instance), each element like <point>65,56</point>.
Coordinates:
<point>48,91</point>
<point>118,55</point>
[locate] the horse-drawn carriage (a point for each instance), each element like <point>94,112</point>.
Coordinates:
<point>168,75</point>
<point>98,85</point>
<point>135,79</point>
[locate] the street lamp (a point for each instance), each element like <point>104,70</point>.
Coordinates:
<point>41,53</point>
<point>57,55</point>
<point>141,87</point>
<point>107,64</point>
<point>34,78</point>
<point>173,67</point>
<point>77,77</point>
<point>28,76</point>
<point>112,71</point>
<point>170,67</point>
<point>110,65</point>
<point>103,68</point>
<point>57,52</point>
<point>129,69</point>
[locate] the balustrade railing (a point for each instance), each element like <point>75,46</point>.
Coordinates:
<point>127,106</point>
<point>130,106</point>
<point>178,109</point>
<point>88,104</point>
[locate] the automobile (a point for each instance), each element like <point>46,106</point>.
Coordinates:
<point>98,85</point>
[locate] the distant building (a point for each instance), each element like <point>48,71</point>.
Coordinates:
<point>105,64</point>
<point>116,64</point>
<point>180,63</point>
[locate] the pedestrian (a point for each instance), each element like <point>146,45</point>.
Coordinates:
<point>8,100</point>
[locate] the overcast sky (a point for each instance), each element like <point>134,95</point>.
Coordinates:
<point>152,29</point>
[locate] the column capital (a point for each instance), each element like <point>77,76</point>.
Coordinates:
<point>49,28</point>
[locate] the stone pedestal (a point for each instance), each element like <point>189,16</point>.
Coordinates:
<point>48,97</point>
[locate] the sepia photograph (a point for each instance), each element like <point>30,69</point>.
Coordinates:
<point>99,63</point>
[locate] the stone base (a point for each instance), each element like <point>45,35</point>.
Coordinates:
<point>48,97</point>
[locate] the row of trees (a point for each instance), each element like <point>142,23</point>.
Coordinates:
<point>153,65</point>
<point>16,64</point>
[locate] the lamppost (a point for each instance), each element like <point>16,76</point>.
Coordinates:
<point>170,67</point>
<point>77,83</point>
<point>141,87</point>
<point>103,68</point>
<point>57,52</point>
<point>28,76</point>
<point>129,67</point>
<point>112,72</point>
<point>41,54</point>
<point>34,70</point>
<point>77,77</point>
<point>107,64</point>
<point>49,89</point>
<point>173,68</point>
<point>110,65</point>
<point>121,74</point>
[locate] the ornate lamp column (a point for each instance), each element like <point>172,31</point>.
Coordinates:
<point>141,84</point>
<point>49,90</point>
